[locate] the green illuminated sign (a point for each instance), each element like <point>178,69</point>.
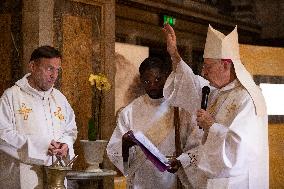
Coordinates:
<point>169,19</point>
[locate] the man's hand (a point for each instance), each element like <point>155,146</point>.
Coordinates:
<point>204,119</point>
<point>174,165</point>
<point>52,146</point>
<point>62,151</point>
<point>171,44</point>
<point>126,144</point>
<point>126,140</point>
<point>58,149</point>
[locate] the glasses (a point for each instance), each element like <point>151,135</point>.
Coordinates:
<point>210,65</point>
<point>148,82</point>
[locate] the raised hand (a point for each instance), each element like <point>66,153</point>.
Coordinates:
<point>171,43</point>
<point>171,39</point>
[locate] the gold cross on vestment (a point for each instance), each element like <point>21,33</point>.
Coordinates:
<point>59,114</point>
<point>232,107</point>
<point>25,111</point>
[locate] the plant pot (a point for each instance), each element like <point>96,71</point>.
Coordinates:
<point>94,153</point>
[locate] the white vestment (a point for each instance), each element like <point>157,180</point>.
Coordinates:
<point>235,154</point>
<point>29,120</point>
<point>155,119</point>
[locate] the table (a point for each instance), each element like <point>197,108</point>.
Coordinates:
<point>91,180</point>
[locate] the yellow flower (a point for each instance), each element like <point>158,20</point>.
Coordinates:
<point>100,81</point>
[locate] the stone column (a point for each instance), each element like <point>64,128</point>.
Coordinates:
<point>37,26</point>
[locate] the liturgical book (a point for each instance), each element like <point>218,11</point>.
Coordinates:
<point>150,150</point>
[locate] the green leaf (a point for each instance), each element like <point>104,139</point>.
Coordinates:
<point>92,130</point>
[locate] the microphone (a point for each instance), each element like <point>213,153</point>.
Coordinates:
<point>205,94</point>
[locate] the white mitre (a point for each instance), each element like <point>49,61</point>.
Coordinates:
<point>219,46</point>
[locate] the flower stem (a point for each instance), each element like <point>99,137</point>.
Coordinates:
<point>99,134</point>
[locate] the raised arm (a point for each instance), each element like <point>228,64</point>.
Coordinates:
<point>183,87</point>
<point>172,45</point>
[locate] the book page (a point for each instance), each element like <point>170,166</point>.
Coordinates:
<point>150,150</point>
<point>150,146</point>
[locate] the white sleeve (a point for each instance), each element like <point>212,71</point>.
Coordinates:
<point>183,88</point>
<point>11,142</point>
<point>194,135</point>
<point>8,134</point>
<point>114,147</point>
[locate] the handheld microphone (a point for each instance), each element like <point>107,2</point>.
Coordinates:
<point>205,94</point>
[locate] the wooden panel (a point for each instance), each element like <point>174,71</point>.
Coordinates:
<point>261,60</point>
<point>5,52</point>
<point>77,66</point>
<point>276,156</point>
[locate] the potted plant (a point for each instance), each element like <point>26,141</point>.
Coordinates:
<point>94,147</point>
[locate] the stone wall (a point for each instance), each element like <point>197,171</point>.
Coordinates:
<point>10,43</point>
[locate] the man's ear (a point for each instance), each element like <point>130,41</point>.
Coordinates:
<point>31,66</point>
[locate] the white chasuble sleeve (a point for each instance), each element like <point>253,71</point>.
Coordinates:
<point>191,176</point>
<point>19,146</point>
<point>183,88</point>
<point>11,140</point>
<point>114,147</point>
<point>24,147</point>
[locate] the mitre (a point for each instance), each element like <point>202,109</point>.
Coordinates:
<point>219,46</point>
